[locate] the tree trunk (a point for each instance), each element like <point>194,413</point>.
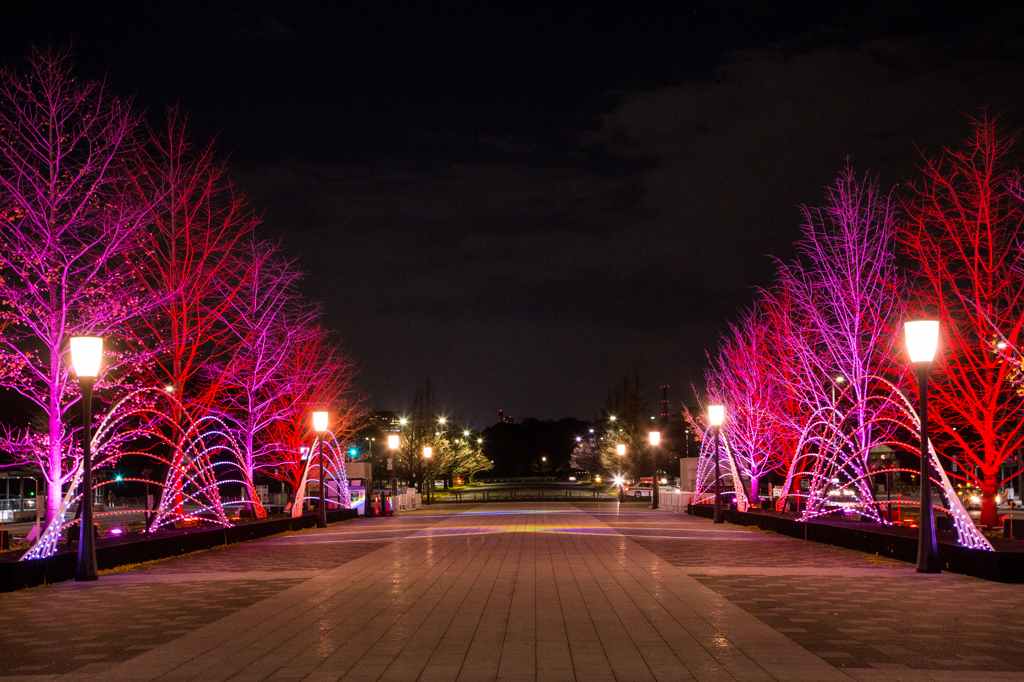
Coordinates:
<point>56,431</point>
<point>989,513</point>
<point>755,487</point>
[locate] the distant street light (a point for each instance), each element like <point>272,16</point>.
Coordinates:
<point>837,380</point>
<point>620,450</point>
<point>716,415</point>
<point>320,426</point>
<point>922,340</point>
<point>428,453</point>
<point>86,353</point>
<point>393,441</point>
<point>655,437</point>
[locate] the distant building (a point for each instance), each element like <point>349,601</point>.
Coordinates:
<point>503,419</point>
<point>386,421</point>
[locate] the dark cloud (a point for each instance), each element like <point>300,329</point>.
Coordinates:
<point>526,206</point>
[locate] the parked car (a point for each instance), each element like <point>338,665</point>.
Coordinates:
<point>639,492</point>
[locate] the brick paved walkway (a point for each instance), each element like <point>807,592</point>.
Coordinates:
<point>523,591</point>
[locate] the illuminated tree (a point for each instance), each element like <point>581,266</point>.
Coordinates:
<point>630,426</point>
<point>456,453</point>
<point>266,319</point>
<point>588,456</point>
<point>197,249</point>
<point>849,300</point>
<point>786,344</point>
<point>742,379</point>
<point>962,224</point>
<point>421,429</point>
<point>68,229</point>
<point>316,375</point>
<point>476,464</point>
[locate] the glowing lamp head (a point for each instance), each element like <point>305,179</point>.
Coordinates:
<point>320,421</point>
<point>466,434</point>
<point>716,414</point>
<point>86,352</point>
<point>403,422</point>
<point>428,451</point>
<point>393,442</point>
<point>442,420</point>
<point>611,418</point>
<point>655,437</point>
<point>922,339</point>
<point>620,449</point>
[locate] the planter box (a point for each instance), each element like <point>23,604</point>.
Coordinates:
<point>1005,565</point>
<point>60,567</point>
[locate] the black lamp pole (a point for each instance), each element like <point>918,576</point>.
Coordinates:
<point>86,568</point>
<point>718,482</point>
<point>321,512</point>
<point>927,548</point>
<point>654,479</point>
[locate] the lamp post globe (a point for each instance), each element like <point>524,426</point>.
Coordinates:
<point>922,342</point>
<point>428,454</point>
<point>620,450</point>
<point>393,442</point>
<point>655,438</point>
<point>320,420</point>
<point>716,417</point>
<point>86,354</point>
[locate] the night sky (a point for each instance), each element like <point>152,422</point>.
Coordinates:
<point>525,205</point>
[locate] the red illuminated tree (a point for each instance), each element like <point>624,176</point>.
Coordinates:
<point>316,375</point>
<point>961,229</point>
<point>67,230</point>
<point>196,249</point>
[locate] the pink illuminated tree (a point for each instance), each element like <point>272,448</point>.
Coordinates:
<point>743,380</point>
<point>69,227</point>
<point>267,319</point>
<point>961,231</point>
<point>849,298</point>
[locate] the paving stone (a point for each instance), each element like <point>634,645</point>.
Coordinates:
<point>523,591</point>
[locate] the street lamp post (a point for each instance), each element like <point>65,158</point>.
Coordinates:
<point>428,453</point>
<point>320,425</point>
<point>838,380</point>
<point>393,447</point>
<point>716,415</point>
<point>922,340</point>
<point>655,437</point>
<point>620,450</point>
<point>86,352</point>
